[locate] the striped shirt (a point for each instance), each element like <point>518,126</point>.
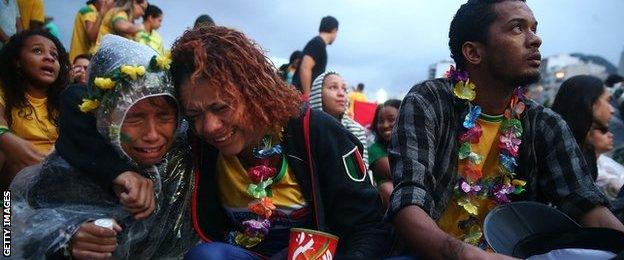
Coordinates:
<point>424,154</point>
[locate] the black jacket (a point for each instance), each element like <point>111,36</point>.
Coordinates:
<point>340,206</point>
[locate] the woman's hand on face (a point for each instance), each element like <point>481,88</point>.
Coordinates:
<point>94,242</point>
<point>19,153</point>
<point>136,194</point>
<point>78,75</point>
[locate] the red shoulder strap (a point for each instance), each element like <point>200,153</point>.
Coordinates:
<point>306,137</point>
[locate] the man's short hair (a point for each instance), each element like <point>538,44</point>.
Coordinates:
<point>152,11</point>
<point>203,19</point>
<point>82,56</point>
<point>612,79</point>
<point>471,24</point>
<point>360,86</point>
<point>328,24</point>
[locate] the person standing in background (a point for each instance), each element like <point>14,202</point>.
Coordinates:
<point>10,22</point>
<point>32,13</point>
<point>288,70</point>
<point>152,19</point>
<point>87,25</point>
<point>203,19</point>
<point>356,95</point>
<point>315,55</point>
<point>120,20</point>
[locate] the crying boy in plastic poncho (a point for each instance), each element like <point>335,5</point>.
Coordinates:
<point>129,108</point>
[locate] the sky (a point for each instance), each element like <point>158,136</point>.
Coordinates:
<point>385,44</point>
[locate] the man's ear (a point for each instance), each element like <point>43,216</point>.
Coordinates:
<point>473,52</point>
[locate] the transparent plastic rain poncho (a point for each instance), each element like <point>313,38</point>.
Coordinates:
<point>52,199</point>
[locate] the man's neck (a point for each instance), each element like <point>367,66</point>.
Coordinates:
<point>326,37</point>
<point>492,95</point>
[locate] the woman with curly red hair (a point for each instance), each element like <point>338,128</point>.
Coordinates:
<point>264,162</point>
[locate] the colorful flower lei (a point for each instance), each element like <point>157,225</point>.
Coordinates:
<point>471,187</point>
<point>261,176</point>
<point>105,84</point>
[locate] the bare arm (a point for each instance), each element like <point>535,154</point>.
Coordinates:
<point>126,27</point>
<point>381,168</point>
<point>18,24</point>
<point>601,217</point>
<point>423,237</point>
<point>305,74</point>
<point>19,153</point>
<point>3,36</point>
<point>93,28</point>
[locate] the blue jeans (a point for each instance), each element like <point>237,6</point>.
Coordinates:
<point>217,250</point>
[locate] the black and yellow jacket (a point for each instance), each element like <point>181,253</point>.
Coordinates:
<point>332,179</point>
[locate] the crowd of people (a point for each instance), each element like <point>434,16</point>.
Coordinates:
<point>208,151</point>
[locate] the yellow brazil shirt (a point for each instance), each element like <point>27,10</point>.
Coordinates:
<point>152,40</point>
<point>34,127</point>
<point>80,43</point>
<point>31,10</point>
<point>109,19</point>
<point>232,181</point>
<point>488,148</point>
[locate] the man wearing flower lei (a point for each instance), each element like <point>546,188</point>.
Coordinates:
<point>471,141</point>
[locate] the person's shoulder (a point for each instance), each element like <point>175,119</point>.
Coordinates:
<point>86,9</point>
<point>433,90</point>
<point>535,109</point>
<point>376,146</point>
<point>317,41</point>
<point>73,94</point>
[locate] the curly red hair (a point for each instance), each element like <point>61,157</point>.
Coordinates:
<point>235,65</point>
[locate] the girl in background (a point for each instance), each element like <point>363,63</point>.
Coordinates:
<point>583,102</point>
<point>34,69</point>
<point>383,122</point>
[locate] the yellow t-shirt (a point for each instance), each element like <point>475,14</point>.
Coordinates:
<point>152,39</point>
<point>488,147</point>
<point>31,10</point>
<point>232,181</point>
<point>80,43</point>
<point>355,96</point>
<point>36,127</point>
<point>110,18</point>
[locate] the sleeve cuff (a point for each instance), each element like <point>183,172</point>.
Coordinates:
<point>582,201</point>
<point>404,196</point>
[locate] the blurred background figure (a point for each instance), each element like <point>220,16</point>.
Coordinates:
<point>356,95</point>
<point>10,22</point>
<point>584,103</point>
<point>51,27</point>
<point>288,70</point>
<point>314,59</point>
<point>32,13</point>
<point>203,19</point>
<point>87,25</point>
<point>119,20</point>
<point>78,72</point>
<point>152,20</point>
